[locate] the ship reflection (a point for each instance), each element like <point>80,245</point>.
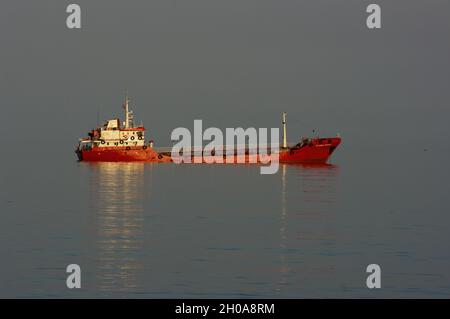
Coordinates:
<point>307,193</point>
<point>316,183</point>
<point>284,263</point>
<point>118,192</point>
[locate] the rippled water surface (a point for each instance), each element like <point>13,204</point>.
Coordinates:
<point>165,230</point>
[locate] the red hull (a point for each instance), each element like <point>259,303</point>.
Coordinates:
<point>121,154</point>
<point>317,151</point>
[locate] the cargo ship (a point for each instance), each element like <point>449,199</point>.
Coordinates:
<point>118,141</point>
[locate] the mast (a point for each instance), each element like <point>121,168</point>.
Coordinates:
<point>127,113</point>
<point>284,131</point>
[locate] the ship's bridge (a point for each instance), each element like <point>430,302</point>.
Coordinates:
<point>114,133</point>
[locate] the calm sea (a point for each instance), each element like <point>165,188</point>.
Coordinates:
<point>165,230</point>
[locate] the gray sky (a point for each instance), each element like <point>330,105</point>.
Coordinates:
<point>231,63</point>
